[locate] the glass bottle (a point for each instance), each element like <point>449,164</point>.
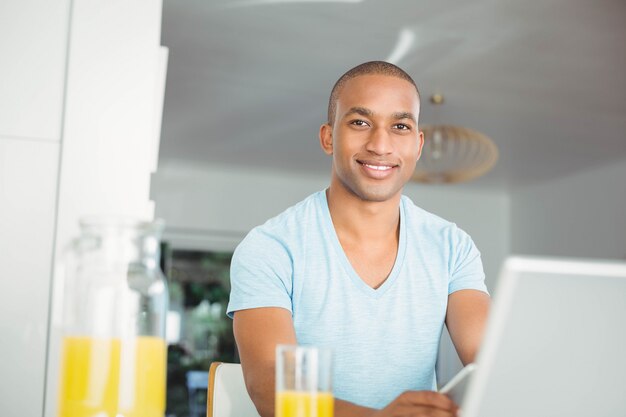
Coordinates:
<point>114,354</point>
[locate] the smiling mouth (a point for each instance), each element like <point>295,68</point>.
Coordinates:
<point>378,166</point>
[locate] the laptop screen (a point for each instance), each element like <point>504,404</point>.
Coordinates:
<point>555,343</point>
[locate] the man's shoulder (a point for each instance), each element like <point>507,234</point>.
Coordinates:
<point>294,215</point>
<point>416,214</point>
<point>282,236</point>
<point>431,227</point>
<point>290,221</point>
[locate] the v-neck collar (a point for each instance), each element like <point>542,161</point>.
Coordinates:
<point>343,258</point>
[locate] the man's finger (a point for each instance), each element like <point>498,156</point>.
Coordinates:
<point>430,399</point>
<point>422,411</point>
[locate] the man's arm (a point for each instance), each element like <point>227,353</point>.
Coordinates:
<point>466,318</point>
<point>259,330</point>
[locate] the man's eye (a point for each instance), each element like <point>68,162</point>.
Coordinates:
<point>359,122</point>
<point>402,126</point>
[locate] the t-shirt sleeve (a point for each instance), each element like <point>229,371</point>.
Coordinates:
<point>260,274</point>
<point>466,267</point>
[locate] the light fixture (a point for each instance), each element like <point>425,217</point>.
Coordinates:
<point>453,154</point>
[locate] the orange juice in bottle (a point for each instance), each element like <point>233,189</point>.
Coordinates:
<point>113,352</point>
<point>108,377</point>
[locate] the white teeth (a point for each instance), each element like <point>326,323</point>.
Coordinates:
<point>378,167</point>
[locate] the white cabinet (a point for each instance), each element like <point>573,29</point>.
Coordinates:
<point>32,67</point>
<point>28,184</point>
<point>89,88</point>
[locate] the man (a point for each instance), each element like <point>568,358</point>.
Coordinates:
<point>359,268</point>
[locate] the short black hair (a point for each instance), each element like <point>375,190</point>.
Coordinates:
<point>367,68</point>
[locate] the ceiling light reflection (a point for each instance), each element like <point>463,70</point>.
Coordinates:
<point>244,3</point>
<point>405,42</point>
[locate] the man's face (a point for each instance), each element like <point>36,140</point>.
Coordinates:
<point>375,141</point>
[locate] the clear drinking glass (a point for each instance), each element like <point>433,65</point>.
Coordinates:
<point>113,354</point>
<point>303,382</point>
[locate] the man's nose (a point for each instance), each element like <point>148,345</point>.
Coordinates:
<point>379,142</point>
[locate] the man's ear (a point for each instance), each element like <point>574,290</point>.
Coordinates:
<point>420,140</point>
<point>326,138</point>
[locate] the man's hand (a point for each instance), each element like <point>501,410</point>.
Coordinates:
<point>419,403</point>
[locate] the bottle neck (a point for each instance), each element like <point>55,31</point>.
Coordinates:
<point>123,240</point>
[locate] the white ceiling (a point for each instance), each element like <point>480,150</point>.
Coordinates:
<point>248,81</point>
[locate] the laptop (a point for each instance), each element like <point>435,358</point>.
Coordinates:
<point>555,343</point>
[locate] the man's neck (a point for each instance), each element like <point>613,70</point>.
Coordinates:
<point>356,219</point>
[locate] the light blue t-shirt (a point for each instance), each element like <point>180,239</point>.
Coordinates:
<point>384,340</point>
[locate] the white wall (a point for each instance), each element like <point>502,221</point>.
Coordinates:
<point>213,208</point>
<point>210,205</point>
<point>581,215</point>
